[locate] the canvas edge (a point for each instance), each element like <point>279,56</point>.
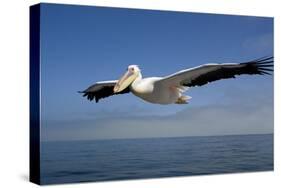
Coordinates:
<point>34,95</point>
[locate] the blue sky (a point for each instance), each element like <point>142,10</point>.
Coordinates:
<point>81,45</point>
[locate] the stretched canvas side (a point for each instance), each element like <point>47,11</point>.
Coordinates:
<point>34,163</point>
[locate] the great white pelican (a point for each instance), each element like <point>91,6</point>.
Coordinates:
<point>170,89</point>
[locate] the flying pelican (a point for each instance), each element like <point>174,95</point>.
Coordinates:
<point>170,89</point>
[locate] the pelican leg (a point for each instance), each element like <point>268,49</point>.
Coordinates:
<point>182,100</point>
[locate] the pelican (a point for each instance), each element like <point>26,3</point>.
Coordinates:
<point>170,89</point>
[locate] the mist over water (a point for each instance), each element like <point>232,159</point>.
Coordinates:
<point>119,159</point>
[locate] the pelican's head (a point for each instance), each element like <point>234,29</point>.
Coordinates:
<point>131,74</point>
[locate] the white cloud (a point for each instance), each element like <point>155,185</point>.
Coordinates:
<point>255,118</point>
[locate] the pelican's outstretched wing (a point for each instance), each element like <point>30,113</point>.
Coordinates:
<point>101,90</point>
<point>204,74</point>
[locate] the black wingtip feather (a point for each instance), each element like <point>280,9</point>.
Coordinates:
<point>259,66</point>
<point>263,59</point>
<point>103,92</point>
<point>264,65</point>
<point>264,72</point>
<point>265,69</point>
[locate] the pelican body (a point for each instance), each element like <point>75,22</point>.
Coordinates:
<point>170,89</point>
<point>148,90</point>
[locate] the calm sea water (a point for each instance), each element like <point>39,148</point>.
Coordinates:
<point>101,160</point>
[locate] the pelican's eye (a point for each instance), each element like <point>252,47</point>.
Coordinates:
<point>132,69</point>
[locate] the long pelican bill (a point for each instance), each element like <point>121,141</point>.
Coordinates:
<point>124,81</point>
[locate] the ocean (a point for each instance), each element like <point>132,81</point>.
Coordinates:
<point>120,159</point>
